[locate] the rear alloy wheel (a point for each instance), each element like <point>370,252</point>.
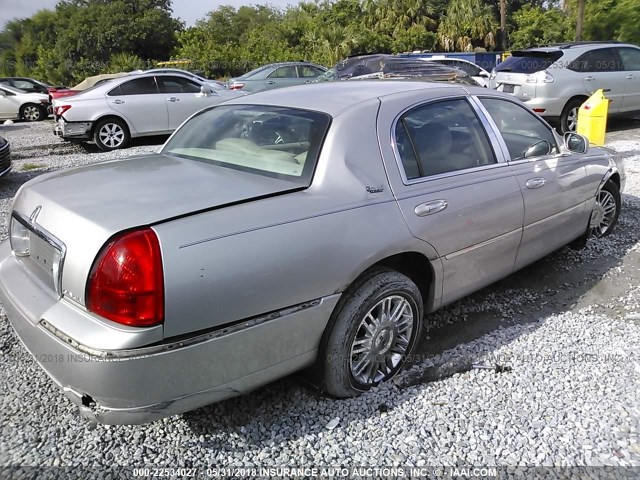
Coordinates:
<point>569,116</point>
<point>375,330</point>
<point>605,211</point>
<point>111,134</point>
<point>32,112</point>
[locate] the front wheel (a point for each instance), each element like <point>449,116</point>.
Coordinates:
<point>111,134</point>
<point>32,112</point>
<point>606,210</point>
<point>376,328</point>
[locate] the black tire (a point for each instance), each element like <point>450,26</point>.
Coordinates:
<point>111,134</point>
<point>567,124</point>
<point>367,296</point>
<point>608,195</point>
<point>30,112</point>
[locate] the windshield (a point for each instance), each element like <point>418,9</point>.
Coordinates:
<point>528,61</point>
<point>277,142</point>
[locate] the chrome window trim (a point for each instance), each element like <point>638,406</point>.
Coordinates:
<point>51,240</point>
<point>500,159</point>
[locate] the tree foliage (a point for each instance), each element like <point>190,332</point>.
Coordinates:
<point>85,37</point>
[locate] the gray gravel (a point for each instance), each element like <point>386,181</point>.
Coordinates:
<point>568,326</point>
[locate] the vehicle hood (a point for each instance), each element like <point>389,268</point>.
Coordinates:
<point>142,190</point>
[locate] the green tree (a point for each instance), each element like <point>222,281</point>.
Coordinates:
<point>539,26</point>
<point>468,24</point>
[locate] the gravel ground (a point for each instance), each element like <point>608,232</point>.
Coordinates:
<point>568,327</point>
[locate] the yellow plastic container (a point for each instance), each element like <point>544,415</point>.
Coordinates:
<point>592,118</point>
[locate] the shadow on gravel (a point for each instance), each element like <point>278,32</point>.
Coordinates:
<point>135,142</point>
<point>14,127</point>
<point>553,285</point>
<point>10,183</point>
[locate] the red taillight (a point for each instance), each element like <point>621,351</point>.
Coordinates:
<point>236,86</point>
<point>126,283</point>
<point>61,109</point>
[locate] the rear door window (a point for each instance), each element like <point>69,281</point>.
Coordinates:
<point>284,72</point>
<point>139,86</point>
<point>598,60</point>
<point>528,61</point>
<point>442,137</point>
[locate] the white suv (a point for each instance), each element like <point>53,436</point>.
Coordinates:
<point>556,79</point>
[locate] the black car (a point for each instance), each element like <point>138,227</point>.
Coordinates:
<point>5,157</point>
<point>28,85</point>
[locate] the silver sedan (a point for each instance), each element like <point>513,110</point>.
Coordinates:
<point>311,226</point>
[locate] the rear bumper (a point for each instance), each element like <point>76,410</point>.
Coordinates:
<point>140,385</point>
<point>73,130</point>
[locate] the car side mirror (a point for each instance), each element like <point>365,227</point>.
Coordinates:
<point>538,149</point>
<point>484,74</point>
<point>206,90</point>
<point>576,143</point>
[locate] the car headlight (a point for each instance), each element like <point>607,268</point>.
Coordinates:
<point>19,238</point>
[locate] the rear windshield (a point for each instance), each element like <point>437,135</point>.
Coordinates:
<point>277,142</point>
<point>528,61</point>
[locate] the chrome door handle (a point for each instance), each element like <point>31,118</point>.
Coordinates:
<point>429,208</point>
<point>173,99</point>
<point>270,82</point>
<point>589,78</point>
<point>118,102</point>
<point>630,77</point>
<point>534,183</point>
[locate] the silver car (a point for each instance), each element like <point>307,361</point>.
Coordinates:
<point>555,80</point>
<point>312,226</point>
<point>136,105</point>
<point>277,75</point>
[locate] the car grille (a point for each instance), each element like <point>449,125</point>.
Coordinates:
<point>5,158</point>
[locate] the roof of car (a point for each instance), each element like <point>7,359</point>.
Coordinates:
<point>576,45</point>
<point>284,64</point>
<point>342,95</point>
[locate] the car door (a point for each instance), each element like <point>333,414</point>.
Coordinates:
<point>602,68</point>
<point>282,77</point>
<point>141,104</point>
<point>553,184</point>
<point>454,189</point>
<point>9,104</point>
<point>630,57</point>
<point>183,98</point>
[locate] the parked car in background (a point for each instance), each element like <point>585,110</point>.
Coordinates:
<point>19,105</point>
<point>206,270</point>
<point>138,105</point>
<point>85,85</point>
<point>5,157</point>
<point>394,67</point>
<point>215,84</point>
<point>479,74</point>
<point>277,75</point>
<point>555,80</point>
<point>25,84</point>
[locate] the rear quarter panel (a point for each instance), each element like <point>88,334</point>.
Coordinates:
<point>237,262</point>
